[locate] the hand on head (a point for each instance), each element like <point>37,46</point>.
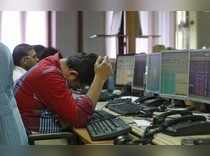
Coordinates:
<point>103,67</point>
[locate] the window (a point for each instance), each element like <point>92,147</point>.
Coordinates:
<point>23,27</point>
<point>142,44</point>
<point>181,30</point>
<point>113,22</point>
<point>36,27</point>
<point>10,29</point>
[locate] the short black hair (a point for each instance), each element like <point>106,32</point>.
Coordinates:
<point>39,50</point>
<point>84,65</point>
<point>48,52</point>
<point>20,51</point>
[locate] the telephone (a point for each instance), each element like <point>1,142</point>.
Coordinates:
<point>181,126</point>
<point>186,125</point>
<point>154,102</point>
<point>183,119</point>
<point>160,118</point>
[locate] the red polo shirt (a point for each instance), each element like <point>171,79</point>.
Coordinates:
<point>44,87</point>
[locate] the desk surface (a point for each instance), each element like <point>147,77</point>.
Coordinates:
<point>85,137</point>
<point>159,139</point>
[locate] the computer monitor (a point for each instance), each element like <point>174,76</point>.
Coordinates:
<point>139,71</point>
<point>199,77</point>
<point>124,70</point>
<point>153,73</point>
<point>175,74</point>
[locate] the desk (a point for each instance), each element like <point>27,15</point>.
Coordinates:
<point>159,139</point>
<point>85,137</point>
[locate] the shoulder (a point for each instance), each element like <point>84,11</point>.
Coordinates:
<point>19,70</point>
<point>51,69</point>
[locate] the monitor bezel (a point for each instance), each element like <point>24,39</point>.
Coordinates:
<point>135,87</point>
<point>146,88</point>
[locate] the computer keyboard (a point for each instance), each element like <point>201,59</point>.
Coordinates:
<point>107,129</point>
<point>119,100</point>
<point>101,115</point>
<point>124,108</point>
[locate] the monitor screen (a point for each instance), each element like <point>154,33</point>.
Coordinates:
<point>199,83</point>
<point>124,70</point>
<point>175,73</point>
<point>153,73</point>
<point>139,71</point>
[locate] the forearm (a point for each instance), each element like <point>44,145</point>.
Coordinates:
<point>95,89</point>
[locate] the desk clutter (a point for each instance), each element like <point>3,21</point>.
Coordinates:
<point>156,116</point>
<point>162,83</point>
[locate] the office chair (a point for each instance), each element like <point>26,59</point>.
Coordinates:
<point>12,130</point>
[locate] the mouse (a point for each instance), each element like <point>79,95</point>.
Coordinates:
<point>117,92</point>
<point>122,140</point>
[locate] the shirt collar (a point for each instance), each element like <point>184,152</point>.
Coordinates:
<point>20,69</point>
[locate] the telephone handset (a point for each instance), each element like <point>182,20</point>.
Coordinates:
<point>160,118</point>
<point>144,98</point>
<point>183,119</point>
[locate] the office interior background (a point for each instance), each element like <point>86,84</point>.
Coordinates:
<point>116,32</point>
<point>112,33</point>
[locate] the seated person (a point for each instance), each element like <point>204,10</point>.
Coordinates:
<point>44,98</point>
<point>48,52</point>
<point>83,86</point>
<point>39,49</point>
<point>43,52</point>
<point>24,57</point>
<point>158,48</point>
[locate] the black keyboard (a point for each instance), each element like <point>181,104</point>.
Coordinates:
<point>124,108</point>
<point>119,100</point>
<point>107,129</point>
<point>101,115</point>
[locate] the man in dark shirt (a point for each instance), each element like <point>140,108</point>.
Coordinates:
<point>43,96</point>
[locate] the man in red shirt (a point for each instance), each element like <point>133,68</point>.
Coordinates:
<point>44,98</point>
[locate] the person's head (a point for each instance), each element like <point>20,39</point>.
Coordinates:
<point>80,68</point>
<point>48,52</point>
<point>39,49</point>
<point>24,56</point>
<point>158,48</point>
<point>170,48</point>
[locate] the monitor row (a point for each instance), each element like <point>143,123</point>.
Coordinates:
<point>178,74</point>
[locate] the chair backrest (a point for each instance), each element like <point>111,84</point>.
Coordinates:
<point>12,131</point>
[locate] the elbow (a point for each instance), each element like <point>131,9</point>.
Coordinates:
<point>81,119</point>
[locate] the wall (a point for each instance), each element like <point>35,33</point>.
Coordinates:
<point>66,32</point>
<point>94,23</point>
<point>203,29</point>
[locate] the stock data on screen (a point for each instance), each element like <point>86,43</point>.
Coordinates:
<point>174,73</point>
<point>199,77</point>
<point>125,69</point>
